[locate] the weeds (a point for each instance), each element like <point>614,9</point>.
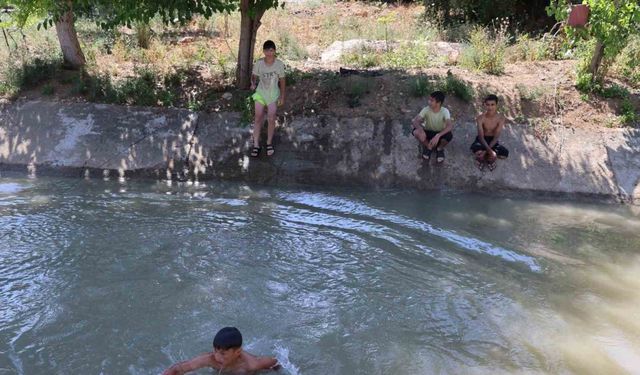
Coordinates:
<point>484,52</point>
<point>423,86</point>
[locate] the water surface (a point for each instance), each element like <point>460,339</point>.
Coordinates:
<point>121,277</point>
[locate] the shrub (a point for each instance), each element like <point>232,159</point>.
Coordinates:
<point>484,52</point>
<point>627,65</point>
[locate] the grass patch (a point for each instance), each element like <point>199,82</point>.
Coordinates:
<point>628,112</point>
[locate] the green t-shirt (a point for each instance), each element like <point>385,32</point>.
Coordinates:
<point>435,121</point>
<point>269,76</point>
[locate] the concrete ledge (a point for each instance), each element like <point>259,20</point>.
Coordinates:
<point>97,139</point>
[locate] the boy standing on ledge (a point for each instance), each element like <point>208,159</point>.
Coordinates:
<point>270,94</point>
<point>490,124</point>
<point>227,355</point>
<point>432,127</point>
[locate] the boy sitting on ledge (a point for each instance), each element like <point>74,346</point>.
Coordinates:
<point>432,127</point>
<point>490,124</point>
<point>227,355</point>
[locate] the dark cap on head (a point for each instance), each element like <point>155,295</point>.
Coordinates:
<point>227,338</point>
<point>269,44</point>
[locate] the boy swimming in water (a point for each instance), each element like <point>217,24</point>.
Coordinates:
<point>432,127</point>
<point>490,124</point>
<point>270,94</point>
<point>227,355</point>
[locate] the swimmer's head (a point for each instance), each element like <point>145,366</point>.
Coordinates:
<point>491,103</point>
<point>227,345</point>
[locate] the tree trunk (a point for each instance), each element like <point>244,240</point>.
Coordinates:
<point>66,30</point>
<point>248,30</point>
<point>596,61</point>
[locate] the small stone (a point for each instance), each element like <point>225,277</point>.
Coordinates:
<point>384,99</point>
<point>227,96</point>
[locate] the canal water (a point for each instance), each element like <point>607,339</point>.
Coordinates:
<point>122,277</point>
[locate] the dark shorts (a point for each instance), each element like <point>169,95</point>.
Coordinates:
<point>430,134</point>
<point>499,149</point>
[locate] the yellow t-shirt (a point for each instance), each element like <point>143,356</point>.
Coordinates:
<point>269,76</point>
<point>435,121</point>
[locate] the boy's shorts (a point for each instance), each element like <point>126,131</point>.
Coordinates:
<point>499,149</point>
<point>259,99</point>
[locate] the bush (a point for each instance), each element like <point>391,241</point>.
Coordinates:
<point>484,52</point>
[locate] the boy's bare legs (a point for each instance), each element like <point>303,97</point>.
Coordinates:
<point>480,159</point>
<point>271,119</point>
<point>257,125</point>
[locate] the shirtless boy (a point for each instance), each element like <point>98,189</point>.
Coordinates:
<point>490,124</point>
<point>227,357</point>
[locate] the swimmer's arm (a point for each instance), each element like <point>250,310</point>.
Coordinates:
<point>200,361</point>
<point>268,363</point>
<point>282,82</point>
<point>496,134</point>
<point>481,133</point>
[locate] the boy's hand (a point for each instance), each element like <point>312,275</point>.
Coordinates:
<point>434,141</point>
<point>280,101</point>
<point>492,154</point>
<point>253,87</point>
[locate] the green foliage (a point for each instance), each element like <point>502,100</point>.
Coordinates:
<point>485,52</point>
<point>610,23</point>
<point>243,102</point>
<point>48,89</point>
<point>364,58</point>
<point>421,86</point>
<point>484,12</point>
<point>627,65</point>
<point>355,88</point>
<point>629,113</point>
<point>456,86</point>
<point>527,48</point>
<point>452,85</point>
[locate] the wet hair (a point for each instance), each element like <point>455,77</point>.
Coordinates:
<point>269,44</point>
<point>227,338</point>
<point>438,96</point>
<point>491,98</point>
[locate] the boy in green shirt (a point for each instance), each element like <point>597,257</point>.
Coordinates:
<point>432,127</point>
<point>270,93</point>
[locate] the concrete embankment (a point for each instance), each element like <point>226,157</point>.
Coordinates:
<point>94,140</point>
